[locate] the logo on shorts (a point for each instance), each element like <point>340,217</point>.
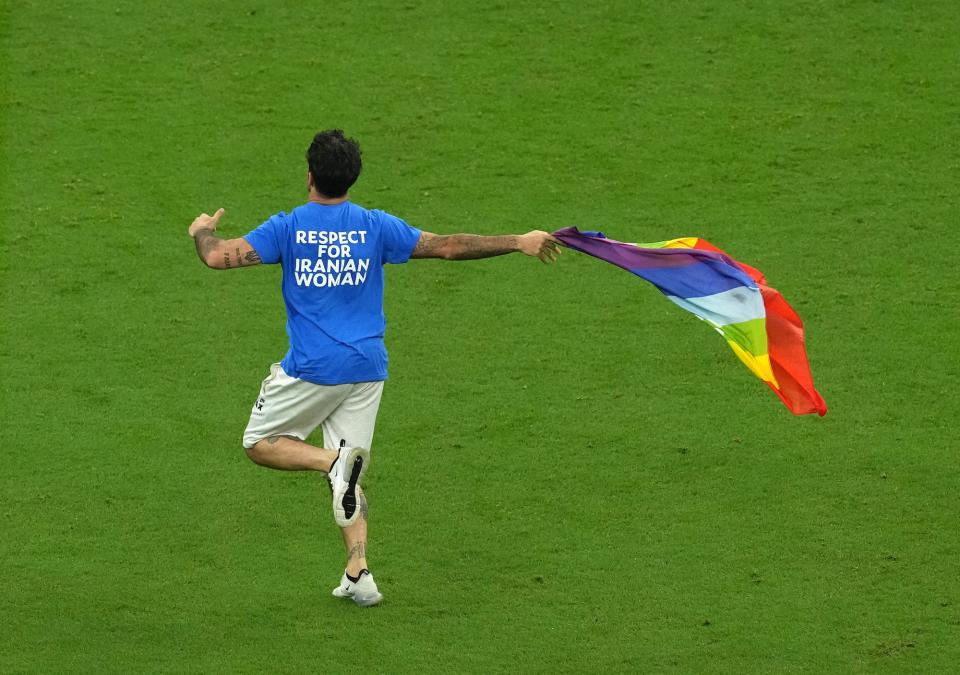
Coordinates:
<point>259,404</point>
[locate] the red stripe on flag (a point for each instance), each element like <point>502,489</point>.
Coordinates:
<point>786,345</point>
<point>788,356</point>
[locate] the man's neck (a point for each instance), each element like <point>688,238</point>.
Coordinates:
<point>318,198</point>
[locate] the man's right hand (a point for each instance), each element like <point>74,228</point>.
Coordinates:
<point>541,244</point>
<point>205,222</point>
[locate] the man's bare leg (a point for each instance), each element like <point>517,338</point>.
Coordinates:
<point>355,540</point>
<point>357,582</point>
<point>290,454</point>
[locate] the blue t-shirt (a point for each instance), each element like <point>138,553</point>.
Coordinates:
<point>332,259</point>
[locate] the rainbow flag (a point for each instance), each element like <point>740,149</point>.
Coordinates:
<point>758,324</point>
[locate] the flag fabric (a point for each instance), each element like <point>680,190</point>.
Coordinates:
<point>755,320</point>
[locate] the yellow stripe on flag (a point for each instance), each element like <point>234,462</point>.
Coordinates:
<point>682,242</point>
<point>760,365</point>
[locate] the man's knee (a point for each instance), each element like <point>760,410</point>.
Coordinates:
<point>253,452</point>
<point>262,449</point>
<point>259,451</point>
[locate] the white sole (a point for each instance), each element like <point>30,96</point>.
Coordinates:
<point>346,503</point>
<point>368,600</point>
<point>362,600</point>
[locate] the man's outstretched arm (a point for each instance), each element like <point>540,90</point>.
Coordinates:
<point>217,253</point>
<point>472,246</point>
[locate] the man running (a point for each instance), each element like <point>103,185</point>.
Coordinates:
<point>332,253</point>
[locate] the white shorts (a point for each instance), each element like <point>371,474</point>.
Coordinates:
<point>288,406</point>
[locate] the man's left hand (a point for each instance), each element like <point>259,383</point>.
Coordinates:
<point>205,222</point>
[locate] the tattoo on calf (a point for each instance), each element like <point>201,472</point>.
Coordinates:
<point>358,550</point>
<point>364,508</point>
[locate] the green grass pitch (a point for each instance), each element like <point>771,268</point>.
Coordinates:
<point>570,474</point>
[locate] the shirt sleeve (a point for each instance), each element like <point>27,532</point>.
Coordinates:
<point>397,239</point>
<point>266,238</point>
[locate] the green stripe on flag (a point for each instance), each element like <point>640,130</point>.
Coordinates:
<point>750,335</point>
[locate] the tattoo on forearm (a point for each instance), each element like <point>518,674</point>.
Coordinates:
<point>205,242</point>
<point>473,246</point>
<point>464,246</point>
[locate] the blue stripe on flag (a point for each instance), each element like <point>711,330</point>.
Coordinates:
<point>695,280</point>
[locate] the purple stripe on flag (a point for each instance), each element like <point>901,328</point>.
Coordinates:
<point>685,273</point>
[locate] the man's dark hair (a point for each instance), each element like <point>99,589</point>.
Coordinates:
<point>334,162</point>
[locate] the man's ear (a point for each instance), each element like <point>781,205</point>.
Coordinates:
<point>309,179</point>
